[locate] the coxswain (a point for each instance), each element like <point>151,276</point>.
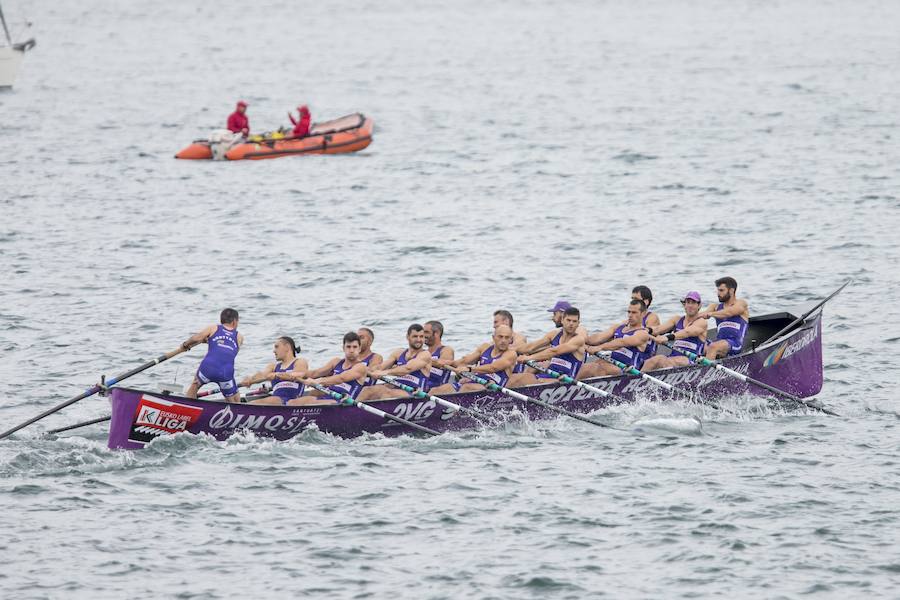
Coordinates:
<point>687,332</point>
<point>301,124</point>
<point>411,365</point>
<point>628,343</point>
<point>223,342</point>
<point>285,374</point>
<point>492,360</point>
<point>238,121</point>
<point>563,348</point>
<point>732,316</point>
<point>344,375</point>
<point>441,355</point>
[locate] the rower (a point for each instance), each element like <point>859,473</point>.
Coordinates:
<point>493,361</point>
<point>642,292</point>
<point>628,343</point>
<point>371,359</point>
<point>686,333</point>
<point>411,366</point>
<point>223,343</point>
<point>441,355</point>
<point>344,375</point>
<point>557,311</point>
<point>732,315</point>
<point>285,374</point>
<point>504,317</point>
<point>563,347</point>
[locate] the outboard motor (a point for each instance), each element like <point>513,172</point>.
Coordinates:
<point>221,141</point>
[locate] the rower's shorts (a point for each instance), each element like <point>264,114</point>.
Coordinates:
<point>734,346</point>
<point>228,387</point>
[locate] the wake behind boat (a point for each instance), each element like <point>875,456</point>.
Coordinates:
<point>791,362</point>
<point>350,133</point>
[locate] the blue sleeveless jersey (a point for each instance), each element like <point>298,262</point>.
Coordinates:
<point>368,380</point>
<point>631,356</point>
<point>691,344</point>
<point>286,390</point>
<point>351,388</point>
<point>567,364</point>
<point>732,329</point>
<point>416,379</point>
<point>438,376</point>
<point>487,357</point>
<point>222,348</point>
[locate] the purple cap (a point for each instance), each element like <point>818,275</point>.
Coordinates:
<point>560,305</point>
<point>695,296</point>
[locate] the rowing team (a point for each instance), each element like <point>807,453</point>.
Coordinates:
<point>426,363</point>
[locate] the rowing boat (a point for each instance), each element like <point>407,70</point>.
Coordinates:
<point>792,362</point>
<point>350,133</point>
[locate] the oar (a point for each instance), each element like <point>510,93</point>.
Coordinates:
<point>666,386</point>
<point>425,396</point>
<point>809,312</point>
<point>570,380</point>
<point>513,394</point>
<point>720,367</point>
<point>93,390</point>
<point>347,400</point>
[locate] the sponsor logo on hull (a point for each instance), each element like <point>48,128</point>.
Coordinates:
<point>228,419</point>
<point>786,349</point>
<point>155,417</point>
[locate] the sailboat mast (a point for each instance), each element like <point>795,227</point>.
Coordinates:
<point>5,28</point>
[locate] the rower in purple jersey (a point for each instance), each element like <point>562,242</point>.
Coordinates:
<point>223,342</point>
<point>651,319</point>
<point>493,361</point>
<point>732,315</point>
<point>344,374</point>
<point>371,359</point>
<point>285,374</point>
<point>563,349</point>
<point>687,332</point>
<point>410,365</point>
<point>441,355</point>
<point>628,343</point>
<point>504,317</point>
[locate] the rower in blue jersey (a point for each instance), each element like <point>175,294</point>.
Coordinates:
<point>410,365</point>
<point>687,332</point>
<point>344,374</point>
<point>628,343</point>
<point>504,317</point>
<point>492,360</point>
<point>285,374</point>
<point>562,348</point>
<point>441,355</point>
<point>371,359</point>
<point>732,316</point>
<point>223,342</point>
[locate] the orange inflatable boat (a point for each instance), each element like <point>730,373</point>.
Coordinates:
<point>347,134</point>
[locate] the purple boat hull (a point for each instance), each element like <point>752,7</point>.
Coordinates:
<point>792,363</point>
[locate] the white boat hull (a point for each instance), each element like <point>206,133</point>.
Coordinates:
<point>10,60</point>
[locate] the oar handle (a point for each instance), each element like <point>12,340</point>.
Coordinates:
<point>567,379</point>
<point>420,394</point>
<point>632,371</point>
<point>94,389</point>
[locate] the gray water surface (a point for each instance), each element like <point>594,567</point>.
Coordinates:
<point>523,152</point>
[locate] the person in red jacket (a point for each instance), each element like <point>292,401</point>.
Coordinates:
<point>301,126</point>
<point>238,121</point>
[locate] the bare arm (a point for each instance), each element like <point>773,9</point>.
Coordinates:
<point>537,344</point>
<point>357,372</point>
<point>445,358</point>
<point>421,362</point>
<point>470,358</point>
<point>595,339</point>
<point>261,376</point>
<point>638,338</point>
<point>377,361</point>
<point>505,362</point>
<point>576,344</point>
<point>669,326</point>
<point>738,308</point>
<point>324,370</point>
<point>199,338</point>
<point>390,361</point>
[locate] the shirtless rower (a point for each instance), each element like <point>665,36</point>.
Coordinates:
<point>223,343</point>
<point>371,359</point>
<point>732,315</point>
<point>344,374</point>
<point>687,333</point>
<point>564,348</point>
<point>493,361</point>
<point>441,355</point>
<point>285,374</point>
<point>628,343</point>
<point>411,366</point>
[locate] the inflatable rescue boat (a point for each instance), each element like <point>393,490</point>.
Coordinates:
<point>351,133</point>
